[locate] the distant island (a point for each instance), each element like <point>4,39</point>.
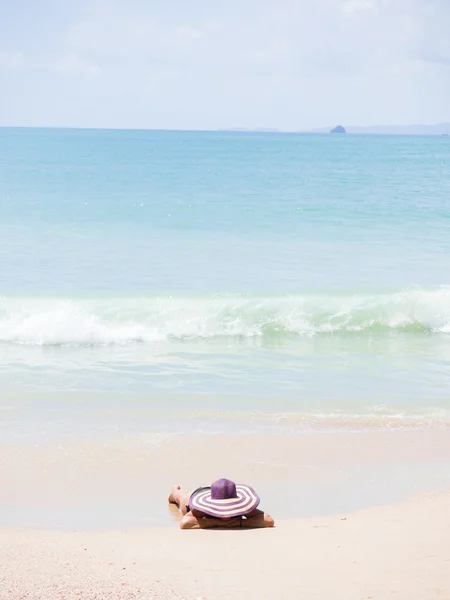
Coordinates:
<point>438,129</point>
<point>338,129</point>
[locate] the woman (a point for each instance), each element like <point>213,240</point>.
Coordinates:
<point>224,504</point>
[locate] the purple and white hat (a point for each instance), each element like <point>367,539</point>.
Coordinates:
<point>224,499</point>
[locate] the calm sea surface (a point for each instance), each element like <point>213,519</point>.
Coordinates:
<point>188,281</point>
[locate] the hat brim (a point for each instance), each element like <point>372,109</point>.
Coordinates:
<point>246,501</point>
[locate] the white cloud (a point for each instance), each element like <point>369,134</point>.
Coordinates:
<point>187,33</point>
<point>12,61</point>
<point>430,39</point>
<point>72,63</point>
<point>69,63</point>
<point>117,40</point>
<point>351,7</point>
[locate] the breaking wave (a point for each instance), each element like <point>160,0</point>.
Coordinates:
<point>131,319</point>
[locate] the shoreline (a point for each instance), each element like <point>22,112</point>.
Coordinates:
<point>59,418</point>
<point>399,550</point>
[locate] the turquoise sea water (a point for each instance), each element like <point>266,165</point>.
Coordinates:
<point>201,281</point>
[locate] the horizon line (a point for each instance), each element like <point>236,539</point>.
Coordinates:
<point>237,129</point>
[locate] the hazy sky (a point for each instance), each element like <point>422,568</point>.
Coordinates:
<point>194,64</point>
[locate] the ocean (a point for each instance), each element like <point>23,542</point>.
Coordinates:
<point>171,282</point>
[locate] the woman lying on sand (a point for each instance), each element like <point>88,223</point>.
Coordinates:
<point>225,504</point>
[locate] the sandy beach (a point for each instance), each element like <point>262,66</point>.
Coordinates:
<point>399,551</point>
<point>357,516</point>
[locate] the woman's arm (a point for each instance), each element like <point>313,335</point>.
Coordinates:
<point>255,520</point>
<point>190,521</point>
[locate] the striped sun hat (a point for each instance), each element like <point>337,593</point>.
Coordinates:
<point>224,499</point>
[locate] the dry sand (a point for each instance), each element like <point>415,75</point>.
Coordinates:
<point>400,551</point>
<point>115,538</point>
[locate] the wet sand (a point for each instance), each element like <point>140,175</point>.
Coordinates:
<point>357,516</point>
<point>123,482</point>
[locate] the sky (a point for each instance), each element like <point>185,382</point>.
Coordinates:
<point>204,64</point>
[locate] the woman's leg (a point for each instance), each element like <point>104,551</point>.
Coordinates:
<point>180,498</point>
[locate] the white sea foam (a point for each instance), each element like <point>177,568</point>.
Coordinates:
<point>123,320</point>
